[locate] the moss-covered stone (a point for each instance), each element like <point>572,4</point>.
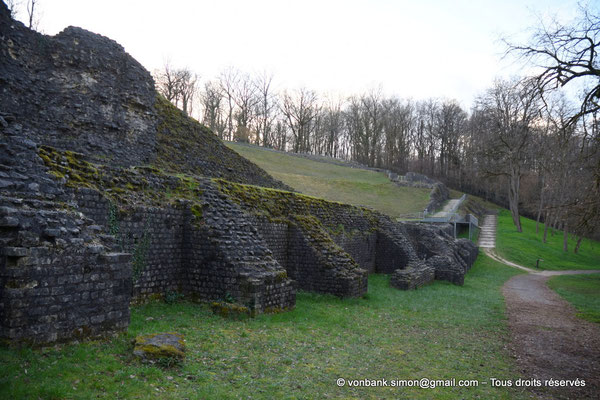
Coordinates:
<point>145,185</point>
<point>159,346</point>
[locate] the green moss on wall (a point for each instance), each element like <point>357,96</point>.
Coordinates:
<point>277,205</point>
<point>143,185</point>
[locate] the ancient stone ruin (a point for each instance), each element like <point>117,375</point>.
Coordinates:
<point>110,195</point>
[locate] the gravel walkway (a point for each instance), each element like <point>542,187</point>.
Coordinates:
<point>548,341</point>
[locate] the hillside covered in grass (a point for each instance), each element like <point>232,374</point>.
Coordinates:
<point>337,182</point>
<point>526,247</point>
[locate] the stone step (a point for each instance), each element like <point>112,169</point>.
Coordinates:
<point>487,235</point>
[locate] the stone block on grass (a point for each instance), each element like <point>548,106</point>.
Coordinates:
<point>159,346</point>
<point>412,277</point>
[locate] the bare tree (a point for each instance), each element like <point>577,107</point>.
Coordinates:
<point>365,123</point>
<point>398,123</point>
<point>333,126</point>
<point>245,99</point>
<point>178,85</point>
<point>266,109</point>
<point>510,108</point>
<point>187,90</point>
<point>32,14</point>
<point>211,100</point>
<point>299,109</point>
<point>426,135</point>
<point>280,135</point>
<point>566,54</point>
<point>228,81</point>
<point>451,119</point>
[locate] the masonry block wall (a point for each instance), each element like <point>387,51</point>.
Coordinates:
<point>57,281</point>
<point>316,264</point>
<point>361,246</point>
<point>153,235</point>
<point>369,239</point>
<point>211,257</point>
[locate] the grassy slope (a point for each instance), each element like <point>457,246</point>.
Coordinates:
<point>336,182</point>
<point>524,248</point>
<point>440,331</point>
<point>583,291</point>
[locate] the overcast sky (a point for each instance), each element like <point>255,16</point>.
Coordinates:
<point>417,49</point>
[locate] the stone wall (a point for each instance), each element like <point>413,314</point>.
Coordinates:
<point>64,222</point>
<point>439,192</point>
<point>59,277</point>
<point>321,265</point>
<point>153,235</point>
<point>212,239</point>
<point>276,235</point>
<point>393,245</point>
<point>450,258</point>
<point>211,257</point>
<point>311,258</point>
<point>229,257</point>
<point>57,280</point>
<point>361,246</point>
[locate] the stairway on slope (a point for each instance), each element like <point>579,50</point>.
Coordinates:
<point>487,236</point>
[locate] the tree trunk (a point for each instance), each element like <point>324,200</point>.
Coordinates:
<point>566,237</point>
<point>553,224</point>
<point>513,197</point>
<point>576,250</point>
<point>540,207</point>
<point>546,226</point>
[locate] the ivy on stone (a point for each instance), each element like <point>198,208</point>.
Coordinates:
<point>140,254</point>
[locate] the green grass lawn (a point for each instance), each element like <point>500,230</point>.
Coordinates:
<point>583,291</point>
<point>336,182</point>
<point>440,331</point>
<point>524,248</point>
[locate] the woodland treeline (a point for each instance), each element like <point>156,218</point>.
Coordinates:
<point>524,144</point>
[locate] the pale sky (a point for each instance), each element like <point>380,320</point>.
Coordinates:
<point>413,49</point>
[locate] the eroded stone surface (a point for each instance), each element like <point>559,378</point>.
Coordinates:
<point>450,258</point>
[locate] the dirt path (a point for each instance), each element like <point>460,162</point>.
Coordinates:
<point>449,206</point>
<point>547,339</point>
